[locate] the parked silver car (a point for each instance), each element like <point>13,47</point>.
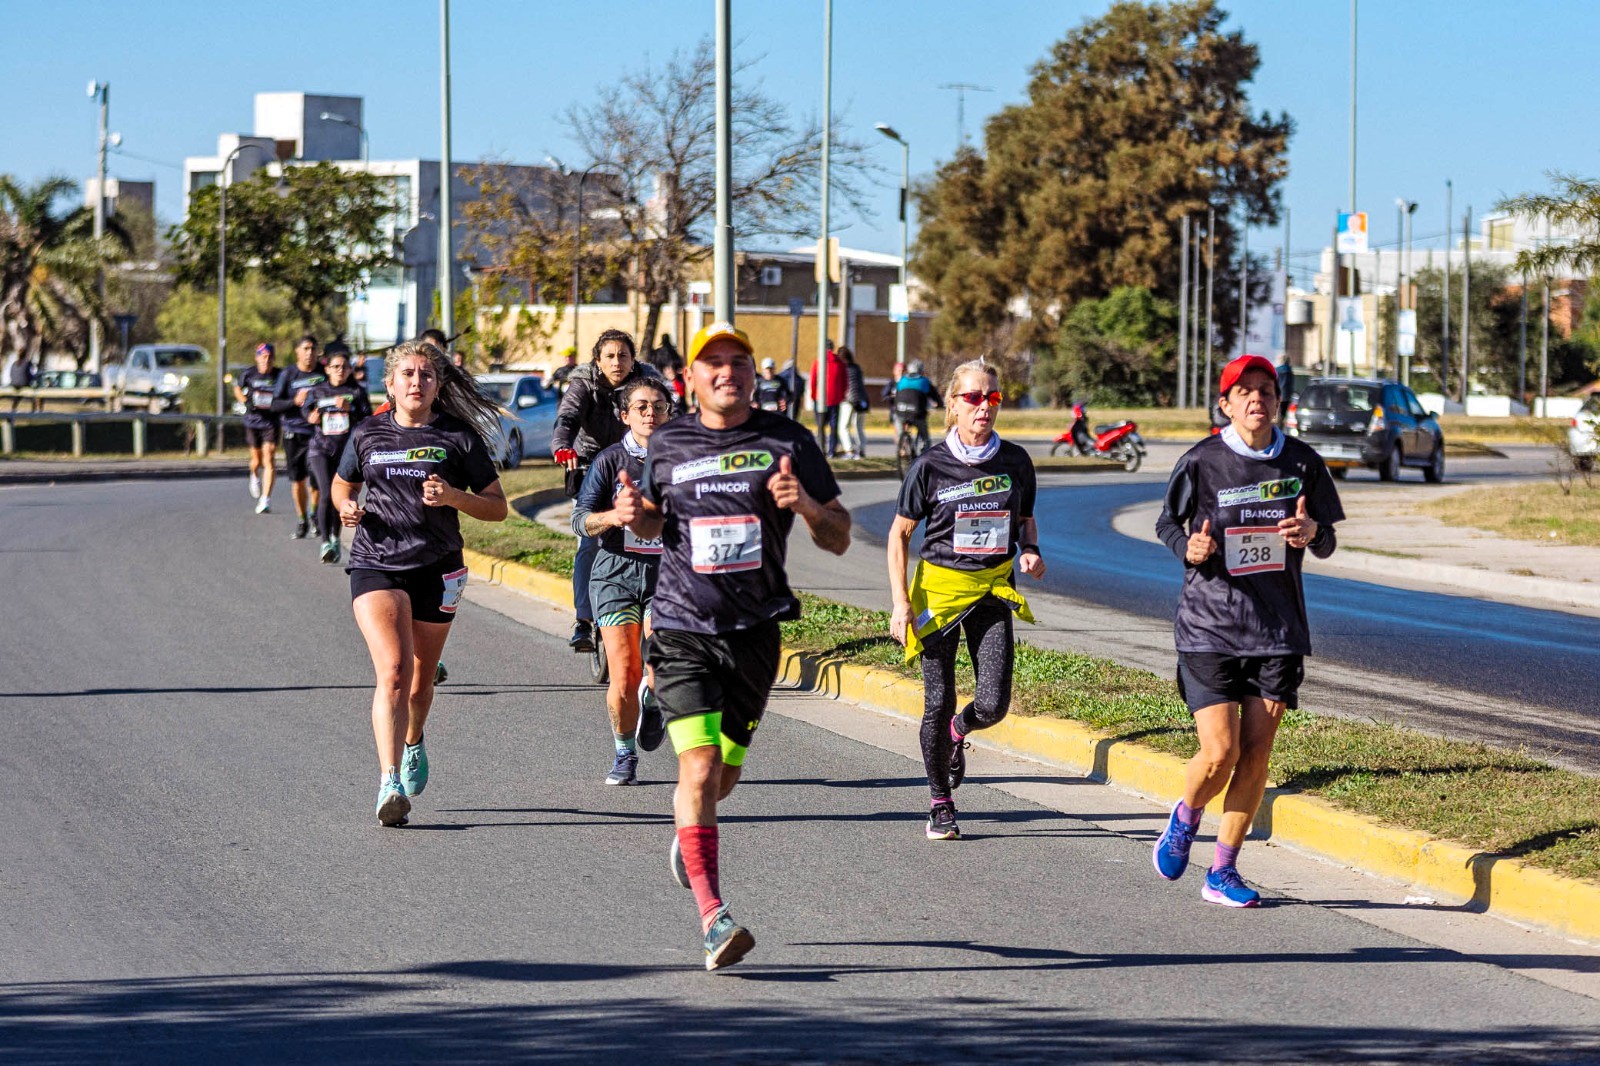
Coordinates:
<point>527,416</point>
<point>1583,436</point>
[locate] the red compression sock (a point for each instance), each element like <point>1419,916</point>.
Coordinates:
<point>699,846</point>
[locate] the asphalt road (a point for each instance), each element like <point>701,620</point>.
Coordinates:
<point>192,872</point>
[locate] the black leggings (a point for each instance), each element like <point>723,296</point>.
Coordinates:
<point>323,466</point>
<point>989,641</point>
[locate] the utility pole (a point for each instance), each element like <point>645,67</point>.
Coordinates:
<point>101,91</point>
<point>1466,303</point>
<point>819,372</point>
<point>1351,287</point>
<point>962,89</point>
<point>1544,344</point>
<point>905,232</point>
<point>1244,285</point>
<point>1194,327</point>
<point>1211,271</point>
<point>1183,314</point>
<point>722,255</point>
<point>447,298</point>
<point>1522,345</point>
<point>1444,349</point>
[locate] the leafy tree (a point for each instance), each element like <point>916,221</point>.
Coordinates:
<point>1133,120</point>
<point>257,311</point>
<point>656,129</point>
<point>1574,207</point>
<point>50,266</point>
<point>318,234</point>
<point>1114,351</point>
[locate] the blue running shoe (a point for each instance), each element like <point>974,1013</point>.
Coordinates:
<point>414,769</point>
<point>1171,856</point>
<point>625,771</point>
<point>393,806</point>
<point>1226,887</point>
<point>726,941</point>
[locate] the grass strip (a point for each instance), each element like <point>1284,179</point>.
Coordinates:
<point>1487,798</point>
<point>1541,511</point>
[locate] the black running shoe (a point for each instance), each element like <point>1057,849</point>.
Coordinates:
<point>942,822</point>
<point>582,640</point>
<point>958,758</point>
<point>652,726</point>
<point>301,528</point>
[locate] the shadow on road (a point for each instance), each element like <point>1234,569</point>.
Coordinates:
<point>567,1012</point>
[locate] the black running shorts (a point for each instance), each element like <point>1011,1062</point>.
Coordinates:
<point>296,454</point>
<point>620,581</point>
<point>434,590</point>
<point>255,438</point>
<point>1206,679</point>
<point>698,673</point>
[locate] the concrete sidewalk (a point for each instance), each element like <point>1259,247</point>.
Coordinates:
<point>46,471</point>
<point>1382,541</point>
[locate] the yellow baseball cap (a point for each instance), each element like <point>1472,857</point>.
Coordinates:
<point>718,331</point>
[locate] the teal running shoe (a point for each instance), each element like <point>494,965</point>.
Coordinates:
<point>414,769</point>
<point>393,806</point>
<point>726,941</point>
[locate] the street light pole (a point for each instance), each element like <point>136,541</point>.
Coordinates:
<point>1211,270</point>
<point>820,371</point>
<point>722,265</point>
<point>447,296</point>
<point>905,196</point>
<point>222,277</point>
<point>1183,314</point>
<point>1466,304</point>
<point>101,91</point>
<point>1444,349</point>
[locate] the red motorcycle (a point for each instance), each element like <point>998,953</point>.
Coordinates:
<point>1117,442</point>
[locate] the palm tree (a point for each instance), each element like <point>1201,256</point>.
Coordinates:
<point>50,265</point>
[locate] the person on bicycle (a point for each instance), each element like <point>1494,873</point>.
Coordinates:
<point>914,394</point>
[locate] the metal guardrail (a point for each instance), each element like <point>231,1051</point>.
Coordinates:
<point>208,436</point>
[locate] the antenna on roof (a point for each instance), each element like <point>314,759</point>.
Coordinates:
<point>962,89</point>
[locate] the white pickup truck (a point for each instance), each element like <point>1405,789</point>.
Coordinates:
<point>156,374</point>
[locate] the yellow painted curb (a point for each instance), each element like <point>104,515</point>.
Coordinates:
<point>1454,874</point>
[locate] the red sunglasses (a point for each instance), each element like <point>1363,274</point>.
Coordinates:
<point>976,398</point>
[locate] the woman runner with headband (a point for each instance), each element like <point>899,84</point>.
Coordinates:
<point>975,495</point>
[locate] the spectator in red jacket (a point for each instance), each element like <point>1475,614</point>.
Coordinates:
<point>826,402</point>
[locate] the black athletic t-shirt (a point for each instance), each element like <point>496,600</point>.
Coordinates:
<point>259,392</point>
<point>770,392</point>
<point>398,531</point>
<point>974,514</point>
<point>725,539</point>
<point>599,491</point>
<point>334,425</point>
<point>1246,599</point>
<point>290,382</point>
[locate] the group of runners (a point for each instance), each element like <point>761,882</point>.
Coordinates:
<point>309,407</point>
<point>687,521</point>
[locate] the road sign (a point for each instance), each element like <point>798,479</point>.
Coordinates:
<point>1405,343</point>
<point>899,304</point>
<point>1352,238</point>
<point>1406,324</point>
<point>1350,320</point>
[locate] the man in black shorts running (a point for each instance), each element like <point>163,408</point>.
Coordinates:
<point>1241,509</point>
<point>293,386</point>
<point>722,488</point>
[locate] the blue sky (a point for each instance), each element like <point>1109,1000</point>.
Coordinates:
<point>1488,94</point>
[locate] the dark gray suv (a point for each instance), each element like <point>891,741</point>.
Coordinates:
<point>1368,422</point>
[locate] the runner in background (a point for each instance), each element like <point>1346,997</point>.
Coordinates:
<point>1241,509</point>
<point>771,392</point>
<point>975,495</point>
<point>421,462</point>
<point>722,488</point>
<point>256,389</point>
<point>333,409</point>
<point>623,578</point>
<point>293,386</point>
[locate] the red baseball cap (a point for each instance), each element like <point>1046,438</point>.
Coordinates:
<point>1236,368</point>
